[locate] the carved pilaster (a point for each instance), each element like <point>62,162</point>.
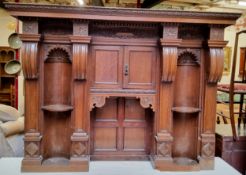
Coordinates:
<point>29,55</point>
<point>79,145</point>
<point>32,153</point>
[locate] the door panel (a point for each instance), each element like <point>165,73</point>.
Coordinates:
<point>107,61</point>
<point>105,139</point>
<point>139,65</point>
<point>120,129</point>
<point>134,139</point>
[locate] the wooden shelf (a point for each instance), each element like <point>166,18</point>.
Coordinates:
<point>57,108</point>
<point>5,92</point>
<point>186,109</point>
<point>7,76</point>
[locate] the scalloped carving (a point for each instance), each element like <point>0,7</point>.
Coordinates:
<point>58,55</point>
<point>65,49</point>
<point>189,57</point>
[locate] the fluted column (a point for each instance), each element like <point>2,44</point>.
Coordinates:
<point>80,138</point>
<point>30,62</point>
<point>164,137</point>
<point>214,67</point>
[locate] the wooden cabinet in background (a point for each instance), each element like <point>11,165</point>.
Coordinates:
<point>7,82</point>
<point>125,84</point>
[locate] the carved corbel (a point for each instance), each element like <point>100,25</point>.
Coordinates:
<point>169,44</point>
<point>29,55</point>
<point>164,145</point>
<point>216,65</point>
<point>97,101</point>
<point>80,54</point>
<point>148,102</point>
<point>169,64</point>
<point>79,144</point>
<point>216,60</point>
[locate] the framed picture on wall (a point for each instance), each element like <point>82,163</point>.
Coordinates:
<point>227,60</point>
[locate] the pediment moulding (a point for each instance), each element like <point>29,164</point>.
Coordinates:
<point>75,12</point>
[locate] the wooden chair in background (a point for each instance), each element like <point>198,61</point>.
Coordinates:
<point>236,87</point>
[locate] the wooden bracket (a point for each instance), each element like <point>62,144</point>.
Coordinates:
<point>146,101</point>
<point>29,55</point>
<point>216,65</point>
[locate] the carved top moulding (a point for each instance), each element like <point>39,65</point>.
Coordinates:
<point>124,30</point>
<point>119,14</point>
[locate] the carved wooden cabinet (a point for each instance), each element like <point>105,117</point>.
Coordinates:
<point>120,84</point>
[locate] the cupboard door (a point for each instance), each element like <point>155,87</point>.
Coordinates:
<point>139,67</point>
<point>120,130</point>
<point>107,66</point>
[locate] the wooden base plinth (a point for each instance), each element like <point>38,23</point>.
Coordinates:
<point>176,164</point>
<point>57,165</point>
<point>206,164</point>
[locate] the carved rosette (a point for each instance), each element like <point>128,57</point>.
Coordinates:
<point>170,30</point>
<point>208,146</point>
<point>29,52</point>
<point>79,144</point>
<point>164,145</point>
<point>80,28</point>
<point>32,144</point>
<point>30,26</point>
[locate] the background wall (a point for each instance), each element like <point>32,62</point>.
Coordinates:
<point>8,25</point>
<point>230,33</point>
